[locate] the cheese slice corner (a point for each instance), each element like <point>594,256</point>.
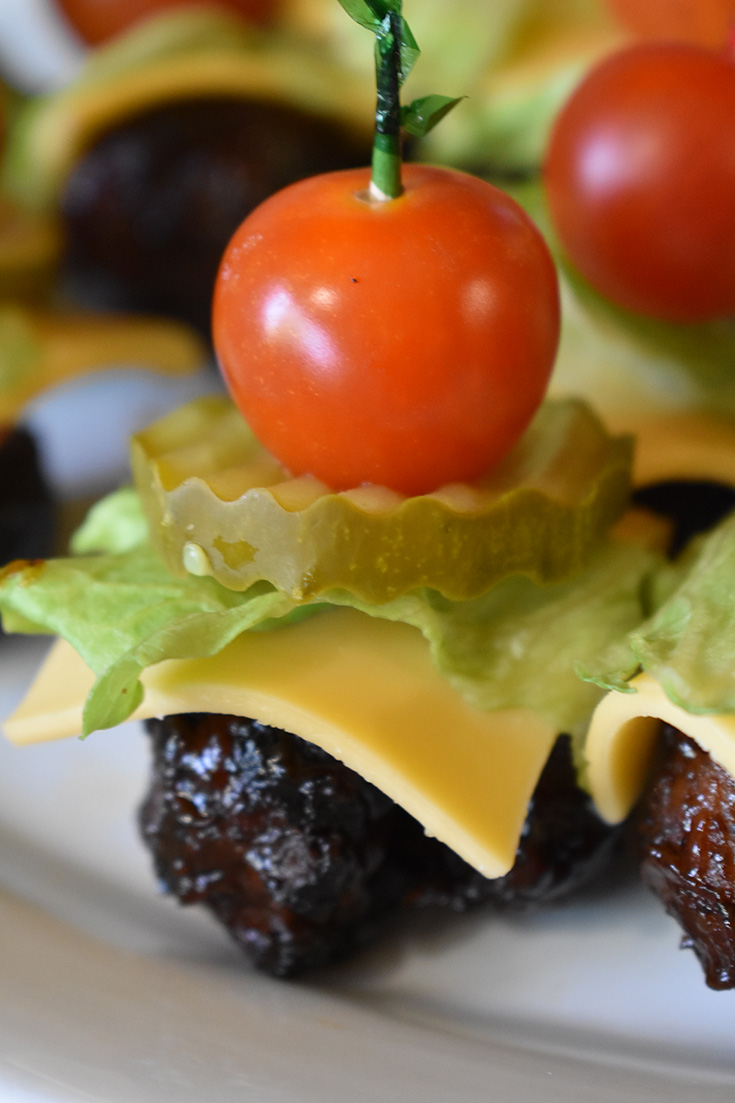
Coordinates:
<point>367,692</point>
<point>622,737</point>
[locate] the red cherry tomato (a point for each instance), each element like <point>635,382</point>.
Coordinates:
<point>406,342</point>
<point>640,181</point>
<point>705,22</point>
<point>98,20</point>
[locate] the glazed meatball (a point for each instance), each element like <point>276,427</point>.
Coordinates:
<point>149,209</point>
<point>303,861</point>
<point>564,844</point>
<point>687,841</point>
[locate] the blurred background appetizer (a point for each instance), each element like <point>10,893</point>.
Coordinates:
<point>163,142</point>
<point>44,345</point>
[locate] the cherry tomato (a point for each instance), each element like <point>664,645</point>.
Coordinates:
<point>98,20</point>
<point>406,342</point>
<point>705,22</point>
<point>640,181</point>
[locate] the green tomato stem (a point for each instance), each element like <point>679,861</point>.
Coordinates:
<point>386,181</point>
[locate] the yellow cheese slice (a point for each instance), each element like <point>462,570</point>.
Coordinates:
<point>622,737</point>
<point>683,446</point>
<point>670,445</point>
<point>366,691</point>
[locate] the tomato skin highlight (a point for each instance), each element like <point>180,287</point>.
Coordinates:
<point>640,181</point>
<point>406,342</point>
<point>98,20</point>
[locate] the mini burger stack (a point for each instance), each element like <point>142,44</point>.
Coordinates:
<point>383,660</point>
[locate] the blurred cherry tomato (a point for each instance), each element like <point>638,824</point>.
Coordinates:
<point>98,20</point>
<point>704,22</point>
<point>406,342</point>
<point>640,181</point>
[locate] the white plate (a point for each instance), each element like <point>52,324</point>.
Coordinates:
<point>112,993</point>
<point>38,50</point>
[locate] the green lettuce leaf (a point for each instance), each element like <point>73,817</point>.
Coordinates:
<point>115,524</point>
<point>125,612</point>
<point>688,643</point>
<point>517,645</point>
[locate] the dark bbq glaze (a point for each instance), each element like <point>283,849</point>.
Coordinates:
<point>150,207</point>
<point>303,861</point>
<point>687,846</point>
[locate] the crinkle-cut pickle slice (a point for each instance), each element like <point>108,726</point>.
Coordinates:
<point>219,504</point>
